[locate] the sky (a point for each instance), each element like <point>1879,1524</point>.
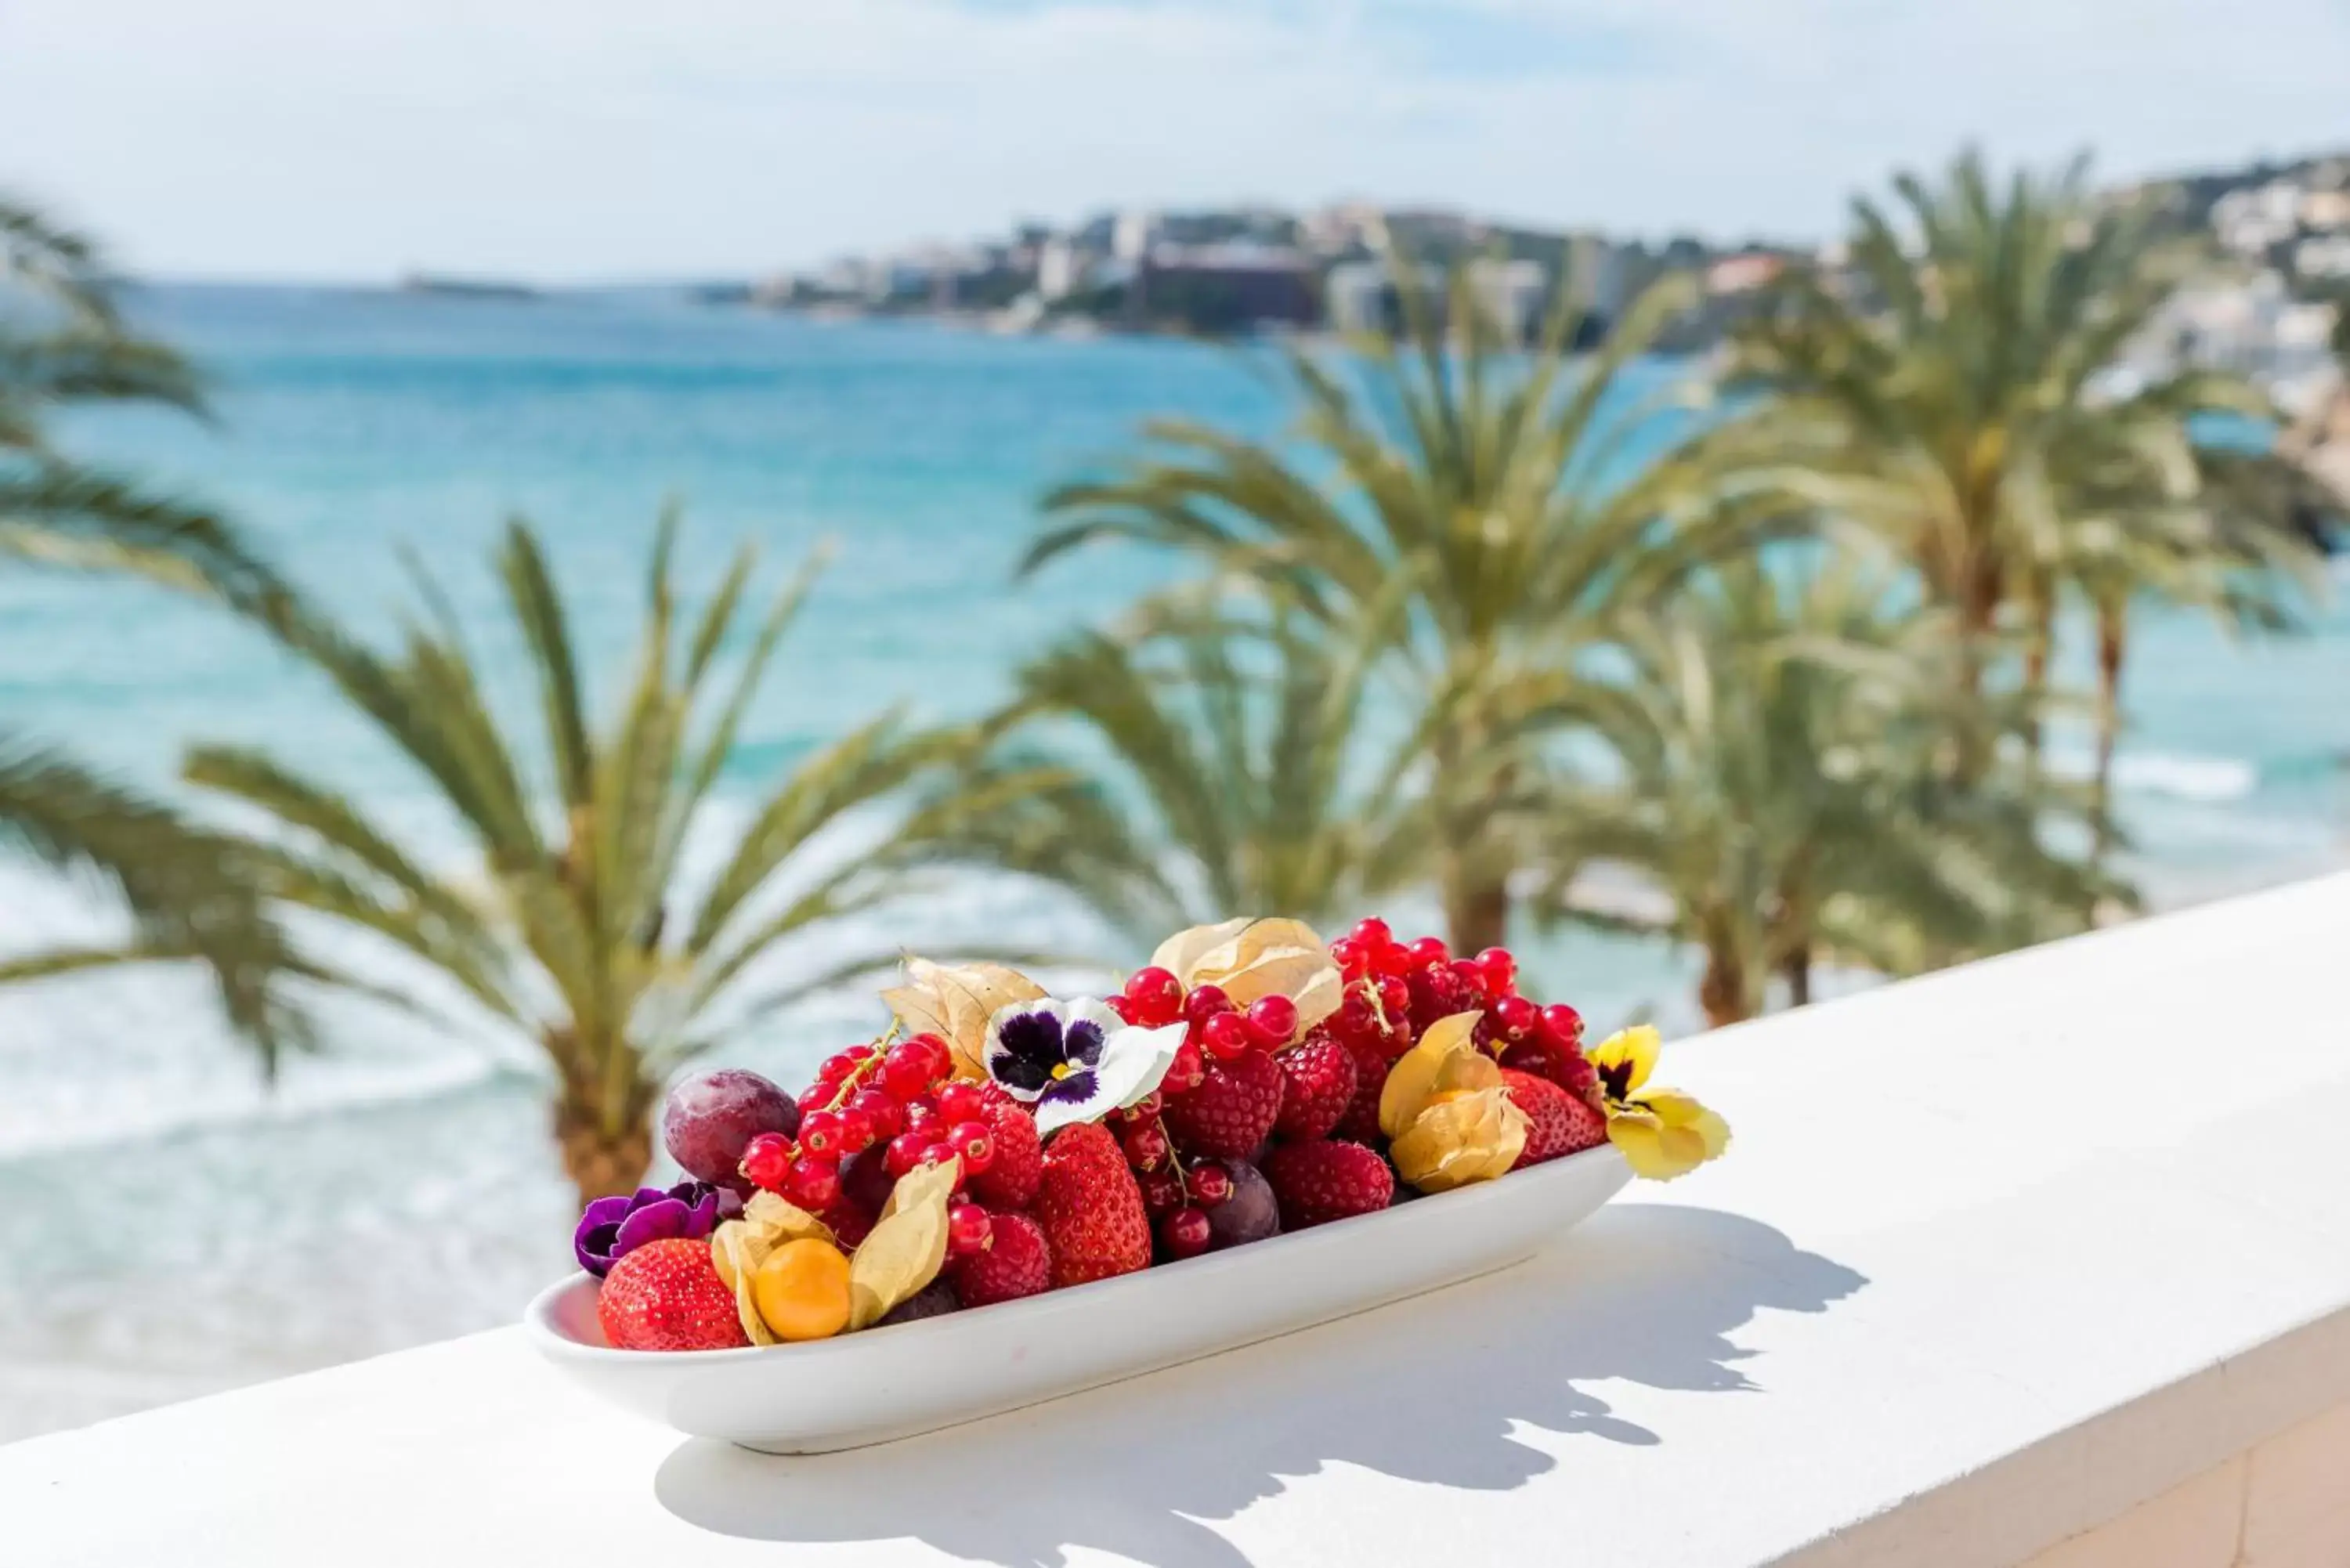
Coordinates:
<point>609,140</point>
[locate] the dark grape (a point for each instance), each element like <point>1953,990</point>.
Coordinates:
<point>1250,1214</point>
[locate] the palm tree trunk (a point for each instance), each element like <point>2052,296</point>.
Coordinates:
<point>1476,912</point>
<point>1722,990</point>
<point>2113,634</point>
<point>2039,646</point>
<point>603,1129</point>
<point>599,1161</point>
<point>1795,969</point>
<point>1978,618</point>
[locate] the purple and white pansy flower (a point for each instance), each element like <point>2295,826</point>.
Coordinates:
<point>1076,1061</point>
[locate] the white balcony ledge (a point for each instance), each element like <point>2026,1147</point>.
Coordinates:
<point>2048,1255</point>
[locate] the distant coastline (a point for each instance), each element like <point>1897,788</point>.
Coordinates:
<point>467,287</point>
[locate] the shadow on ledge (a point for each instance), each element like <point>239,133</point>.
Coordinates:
<point>1430,1390</point>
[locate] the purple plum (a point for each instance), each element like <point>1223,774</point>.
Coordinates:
<point>712,1116</point>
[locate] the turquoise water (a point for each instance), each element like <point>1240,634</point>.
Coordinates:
<point>402,1188</point>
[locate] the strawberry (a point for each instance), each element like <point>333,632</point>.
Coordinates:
<point>1232,1110</point>
<point>1015,1262</point>
<point>1562,1065</point>
<point>1360,1122</point>
<point>666,1295</point>
<point>1010,1180</point>
<point>1558,1123</point>
<point>1089,1207</point>
<point>1317,1183</point>
<point>1318,1085</point>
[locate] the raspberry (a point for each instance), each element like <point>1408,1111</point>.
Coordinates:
<point>1014,1261</point>
<point>1558,1123</point>
<point>1360,1122</point>
<point>1232,1110</point>
<point>667,1295</point>
<point>1438,991</point>
<point>1319,1182</point>
<point>1090,1209</point>
<point>850,1222</point>
<point>1009,1181</point>
<point>1318,1085</point>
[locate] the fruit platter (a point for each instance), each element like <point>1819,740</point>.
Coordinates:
<point>1008,1196</point>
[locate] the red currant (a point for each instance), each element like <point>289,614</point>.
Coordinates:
<point>1146,1146</point>
<point>938,1152</point>
<point>1210,1185</point>
<point>1183,1073</point>
<point>856,1129</point>
<point>1147,1108</point>
<point>1225,1036</point>
<point>822,1135</point>
<point>922,1116</point>
<point>1372,934</point>
<point>1428,951</point>
<point>1392,960</point>
<point>905,1071</point>
<point>975,1143</point>
<point>816,1096</point>
<point>1155,996</point>
<point>837,1067</point>
<point>967,1229</point>
<point>940,1055</point>
<point>1472,976</point>
<point>1560,1022</point>
<point>904,1153</point>
<point>766,1159</point>
<point>1395,998</point>
<point>1162,1191</point>
<point>1186,1232</point>
<point>1122,1007</point>
<point>886,1116</point>
<point>1516,1017</point>
<point>814,1184</point>
<point>1206,1001</point>
<point>1351,957</point>
<point>960,1101</point>
<point>1272,1021</point>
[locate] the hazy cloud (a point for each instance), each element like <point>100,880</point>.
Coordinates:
<point>593,137</point>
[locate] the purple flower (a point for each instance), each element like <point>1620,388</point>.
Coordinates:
<point>612,1228</point>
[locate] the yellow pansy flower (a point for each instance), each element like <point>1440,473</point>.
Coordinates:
<point>1661,1133</point>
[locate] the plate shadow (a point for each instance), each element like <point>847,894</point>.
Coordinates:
<point>1429,1390</point>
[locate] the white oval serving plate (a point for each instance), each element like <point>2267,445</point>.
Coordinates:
<point>912,1378</point>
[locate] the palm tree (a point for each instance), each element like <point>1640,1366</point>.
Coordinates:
<point>1787,792</point>
<point>571,923</point>
<point>1189,770</point>
<point>1493,484</point>
<point>188,892</point>
<point>1957,388</point>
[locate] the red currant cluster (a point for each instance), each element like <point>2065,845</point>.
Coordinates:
<point>1175,1197</point>
<point>901,1098</point>
<point>1219,1031</point>
<point>1396,990</point>
<point>1178,1197</point>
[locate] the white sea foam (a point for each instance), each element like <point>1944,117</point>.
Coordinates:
<point>2183,776</point>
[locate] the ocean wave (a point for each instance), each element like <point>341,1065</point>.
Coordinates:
<point>2181,775</point>
<point>2185,775</point>
<point>137,1117</point>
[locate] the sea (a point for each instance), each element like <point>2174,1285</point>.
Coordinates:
<point>171,1224</point>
